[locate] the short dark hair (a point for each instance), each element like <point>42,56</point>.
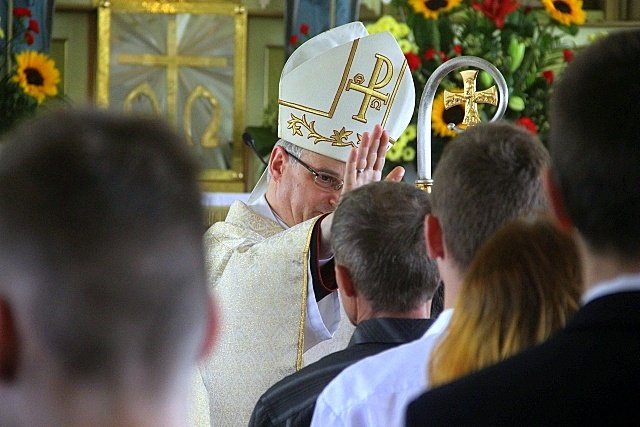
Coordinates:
<point>595,142</point>
<point>101,226</point>
<point>487,176</point>
<point>377,233</point>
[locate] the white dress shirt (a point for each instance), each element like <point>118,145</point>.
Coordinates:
<point>323,317</point>
<point>376,390</point>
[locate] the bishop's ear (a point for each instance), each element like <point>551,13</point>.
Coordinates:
<point>277,162</point>
<point>8,342</point>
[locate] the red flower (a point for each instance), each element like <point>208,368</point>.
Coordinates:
<point>304,29</point>
<point>293,40</point>
<point>21,12</point>
<point>429,54</point>
<point>528,123</point>
<point>413,60</point>
<point>457,49</point>
<point>443,56</point>
<point>28,37</point>
<point>496,10</point>
<point>548,76</point>
<point>568,55</point>
<point>33,26</point>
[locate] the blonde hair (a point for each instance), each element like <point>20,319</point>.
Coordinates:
<point>522,286</point>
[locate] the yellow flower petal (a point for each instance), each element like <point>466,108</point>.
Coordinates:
<point>37,75</point>
<point>432,8</point>
<point>566,12</point>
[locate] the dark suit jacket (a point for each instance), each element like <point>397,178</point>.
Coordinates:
<point>291,401</point>
<point>587,374</point>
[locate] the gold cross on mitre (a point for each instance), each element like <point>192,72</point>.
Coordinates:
<point>470,98</point>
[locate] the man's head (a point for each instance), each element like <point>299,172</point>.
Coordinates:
<point>487,176</point>
<point>333,88</point>
<point>595,144</point>
<point>378,242</point>
<point>103,282</point>
<point>304,184</point>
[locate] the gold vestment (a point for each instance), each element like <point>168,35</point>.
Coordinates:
<point>258,272</point>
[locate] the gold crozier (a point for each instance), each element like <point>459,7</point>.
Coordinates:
<point>470,98</point>
<point>173,61</point>
<point>370,91</point>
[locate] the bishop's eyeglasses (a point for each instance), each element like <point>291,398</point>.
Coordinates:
<point>322,180</point>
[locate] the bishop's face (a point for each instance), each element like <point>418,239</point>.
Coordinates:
<point>302,198</point>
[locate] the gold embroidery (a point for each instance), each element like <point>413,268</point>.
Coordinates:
<point>209,138</point>
<point>394,93</point>
<point>143,90</point>
<point>338,139</point>
<point>369,90</point>
<point>336,98</point>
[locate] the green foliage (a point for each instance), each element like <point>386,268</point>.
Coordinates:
<point>527,46</point>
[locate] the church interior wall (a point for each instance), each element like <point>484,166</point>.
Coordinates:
<point>75,46</point>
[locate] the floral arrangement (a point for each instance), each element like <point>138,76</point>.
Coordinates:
<point>27,77</point>
<point>529,47</point>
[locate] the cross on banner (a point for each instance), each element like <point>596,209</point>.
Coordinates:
<point>172,61</point>
<point>470,98</point>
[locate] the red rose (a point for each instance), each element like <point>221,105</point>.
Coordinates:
<point>304,29</point>
<point>429,54</point>
<point>548,76</point>
<point>457,49</point>
<point>22,12</point>
<point>28,37</point>
<point>568,55</point>
<point>496,10</point>
<point>33,26</point>
<point>293,40</point>
<point>413,60</point>
<point>528,123</point>
<point>443,56</point>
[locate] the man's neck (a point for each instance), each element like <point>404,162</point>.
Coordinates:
<point>420,312</point>
<point>598,268</point>
<point>107,406</point>
<point>452,278</point>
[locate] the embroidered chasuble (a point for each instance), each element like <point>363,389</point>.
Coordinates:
<point>259,273</point>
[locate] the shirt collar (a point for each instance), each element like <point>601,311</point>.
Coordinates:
<point>623,283</point>
<point>389,330</point>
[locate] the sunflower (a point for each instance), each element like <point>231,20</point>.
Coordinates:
<point>432,8</point>
<point>440,117</point>
<point>566,12</point>
<point>37,75</point>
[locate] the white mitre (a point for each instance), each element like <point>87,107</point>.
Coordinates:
<point>338,85</point>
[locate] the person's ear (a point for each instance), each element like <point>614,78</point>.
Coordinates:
<point>433,237</point>
<point>8,342</point>
<point>556,205</point>
<point>212,329</point>
<point>343,277</point>
<point>279,158</point>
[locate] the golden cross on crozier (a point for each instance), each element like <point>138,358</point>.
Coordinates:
<point>173,61</point>
<point>470,98</point>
